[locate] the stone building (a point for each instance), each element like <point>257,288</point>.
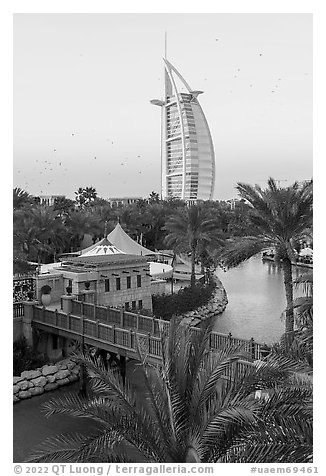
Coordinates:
<point>114,280</point>
<point>106,276</point>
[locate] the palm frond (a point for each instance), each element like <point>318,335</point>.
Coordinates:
<point>77,448</point>
<point>241,249</point>
<point>289,441</point>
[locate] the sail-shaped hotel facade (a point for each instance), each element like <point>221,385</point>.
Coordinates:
<point>187,152</point>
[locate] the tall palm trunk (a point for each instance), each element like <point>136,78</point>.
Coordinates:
<point>288,284</point>
<point>193,265</point>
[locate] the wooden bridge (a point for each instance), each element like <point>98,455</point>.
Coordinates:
<point>119,332</point>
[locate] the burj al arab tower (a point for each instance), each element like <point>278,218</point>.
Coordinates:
<point>187,152</point>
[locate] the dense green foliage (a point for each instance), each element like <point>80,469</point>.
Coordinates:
<point>186,299</point>
<point>301,347</point>
<point>25,358</point>
<point>195,230</point>
<point>42,232</point>
<point>189,411</point>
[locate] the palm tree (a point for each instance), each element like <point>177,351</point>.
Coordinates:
<point>189,227</point>
<point>278,217</point>
<point>63,206</point>
<point>153,197</point>
<point>191,411</point>
<point>302,345</point>
<point>303,307</point>
<point>90,194</point>
<point>80,197</point>
<point>283,433</point>
<point>154,218</point>
<point>21,198</point>
<point>39,233</point>
<point>78,223</point>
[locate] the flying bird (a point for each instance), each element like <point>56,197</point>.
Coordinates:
<point>260,54</point>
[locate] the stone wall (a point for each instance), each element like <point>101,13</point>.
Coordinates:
<point>17,328</point>
<point>216,305</point>
<point>44,379</point>
<point>55,281</point>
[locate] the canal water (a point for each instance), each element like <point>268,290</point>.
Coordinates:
<point>31,427</point>
<point>256,301</point>
<point>256,297</point>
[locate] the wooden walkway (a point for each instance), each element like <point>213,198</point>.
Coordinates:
<point>120,331</point>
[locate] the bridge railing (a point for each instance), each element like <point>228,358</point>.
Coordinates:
<point>146,324</point>
<point>76,307</point>
<point>122,338</point>
<point>119,317</point>
<point>249,346</point>
<point>18,309</point>
<point>126,339</point>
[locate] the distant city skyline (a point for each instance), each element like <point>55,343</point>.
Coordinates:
<point>83,82</point>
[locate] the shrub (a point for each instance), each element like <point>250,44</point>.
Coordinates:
<point>25,358</point>
<point>185,300</point>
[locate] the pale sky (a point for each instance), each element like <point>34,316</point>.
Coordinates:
<point>83,82</point>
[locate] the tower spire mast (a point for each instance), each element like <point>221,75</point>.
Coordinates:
<point>165,45</point>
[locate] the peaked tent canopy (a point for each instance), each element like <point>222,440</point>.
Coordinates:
<point>103,248</point>
<point>119,238</point>
<point>123,241</point>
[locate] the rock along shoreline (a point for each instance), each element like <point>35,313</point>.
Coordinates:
<point>44,379</point>
<point>216,305</point>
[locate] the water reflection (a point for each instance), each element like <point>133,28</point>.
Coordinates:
<point>256,300</point>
